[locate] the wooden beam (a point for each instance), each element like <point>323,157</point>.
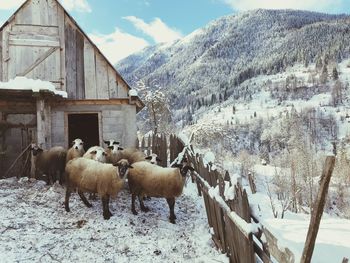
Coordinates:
<point>33,43</point>
<point>38,61</point>
<point>317,210</point>
<point>93,102</point>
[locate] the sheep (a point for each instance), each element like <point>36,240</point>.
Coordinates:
<point>77,150</point>
<point>131,154</point>
<point>110,143</point>
<point>155,181</point>
<point>49,162</point>
<point>85,175</point>
<point>96,153</point>
<point>153,158</point>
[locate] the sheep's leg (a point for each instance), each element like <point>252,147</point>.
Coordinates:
<point>66,201</point>
<point>142,205</point>
<point>171,203</point>
<point>133,197</point>
<point>83,198</point>
<point>105,204</point>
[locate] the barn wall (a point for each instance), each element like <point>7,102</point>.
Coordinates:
<point>117,122</point>
<point>43,42</point>
<point>31,43</point>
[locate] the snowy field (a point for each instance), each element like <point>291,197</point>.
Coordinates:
<point>333,239</point>
<point>34,227</point>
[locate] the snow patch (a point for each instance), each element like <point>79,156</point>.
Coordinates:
<point>23,83</point>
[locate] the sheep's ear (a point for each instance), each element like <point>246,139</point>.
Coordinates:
<point>158,159</point>
<point>93,152</point>
<point>106,142</point>
<point>110,147</point>
<point>129,166</point>
<point>148,158</point>
<point>116,142</point>
<point>120,148</point>
<point>73,143</point>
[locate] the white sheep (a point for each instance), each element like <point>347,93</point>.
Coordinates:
<point>153,158</point>
<point>131,154</point>
<point>85,175</point>
<point>77,150</point>
<point>49,162</point>
<point>155,181</point>
<point>111,142</point>
<point>96,153</point>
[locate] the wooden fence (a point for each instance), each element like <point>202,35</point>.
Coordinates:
<point>158,144</point>
<point>235,231</point>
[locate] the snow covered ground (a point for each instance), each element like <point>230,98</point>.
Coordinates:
<point>34,227</point>
<point>333,239</point>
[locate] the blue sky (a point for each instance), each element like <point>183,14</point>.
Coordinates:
<point>121,27</point>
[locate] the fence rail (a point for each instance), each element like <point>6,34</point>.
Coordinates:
<point>230,216</point>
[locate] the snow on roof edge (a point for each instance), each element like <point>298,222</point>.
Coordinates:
<point>23,83</point>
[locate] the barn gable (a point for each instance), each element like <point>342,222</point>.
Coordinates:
<point>42,41</point>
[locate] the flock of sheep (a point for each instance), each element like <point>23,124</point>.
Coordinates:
<point>104,171</point>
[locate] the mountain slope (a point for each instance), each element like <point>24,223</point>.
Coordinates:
<point>219,57</point>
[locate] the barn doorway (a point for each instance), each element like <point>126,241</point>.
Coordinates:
<point>85,127</point>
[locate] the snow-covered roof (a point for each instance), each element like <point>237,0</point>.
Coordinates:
<point>133,92</point>
<point>23,83</point>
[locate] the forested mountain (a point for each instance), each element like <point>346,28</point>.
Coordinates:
<point>216,59</point>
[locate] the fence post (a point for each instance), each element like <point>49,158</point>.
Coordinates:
<point>317,210</point>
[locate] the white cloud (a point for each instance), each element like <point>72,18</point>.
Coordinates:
<point>10,4</point>
<point>70,5</point>
<point>319,5</point>
<point>118,45</point>
<point>76,5</point>
<point>156,29</point>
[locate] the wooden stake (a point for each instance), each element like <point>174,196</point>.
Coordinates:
<point>317,210</point>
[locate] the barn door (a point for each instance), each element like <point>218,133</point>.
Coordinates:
<point>34,52</point>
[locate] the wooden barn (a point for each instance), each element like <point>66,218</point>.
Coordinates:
<point>41,41</point>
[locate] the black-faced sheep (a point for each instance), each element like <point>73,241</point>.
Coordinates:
<point>96,153</point>
<point>110,143</point>
<point>49,162</point>
<point>155,181</point>
<point>85,175</point>
<point>77,150</point>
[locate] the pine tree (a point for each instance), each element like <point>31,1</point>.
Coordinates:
<point>335,74</point>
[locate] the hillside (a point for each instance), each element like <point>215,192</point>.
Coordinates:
<point>219,57</point>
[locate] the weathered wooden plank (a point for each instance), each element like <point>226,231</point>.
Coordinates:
<point>317,210</point>
<point>122,88</point>
<point>71,60</point>
<point>34,42</point>
<point>30,29</point>
<point>89,70</point>
<point>5,52</point>
<point>32,36</point>
<point>112,83</point>
<point>61,33</point>
<point>101,77</point>
<point>285,256</point>
<point>43,124</point>
<point>24,16</point>
<point>38,61</point>
<point>52,16</point>
<point>80,65</point>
